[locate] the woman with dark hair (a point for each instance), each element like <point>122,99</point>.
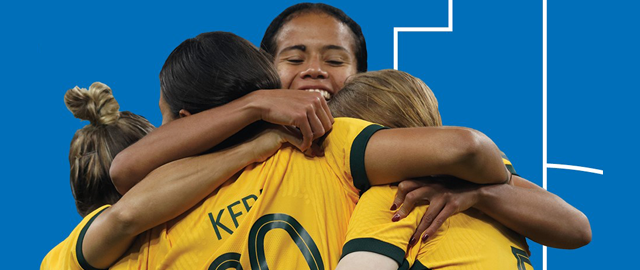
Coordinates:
<point>297,204</point>
<point>315,47</point>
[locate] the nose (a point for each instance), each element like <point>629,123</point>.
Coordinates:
<point>314,70</point>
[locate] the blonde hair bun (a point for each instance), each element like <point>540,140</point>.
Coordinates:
<point>96,104</point>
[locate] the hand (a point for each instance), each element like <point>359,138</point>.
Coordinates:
<point>445,198</point>
<point>307,111</point>
<point>269,141</point>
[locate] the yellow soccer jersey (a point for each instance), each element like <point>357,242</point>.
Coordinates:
<point>467,240</point>
<point>68,254</point>
<point>289,212</point>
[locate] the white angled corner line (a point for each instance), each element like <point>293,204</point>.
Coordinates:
<point>397,30</point>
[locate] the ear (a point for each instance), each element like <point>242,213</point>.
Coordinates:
<point>183,113</point>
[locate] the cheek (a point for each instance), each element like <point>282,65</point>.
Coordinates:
<point>286,75</point>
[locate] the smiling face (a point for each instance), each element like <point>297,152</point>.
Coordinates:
<point>315,52</point>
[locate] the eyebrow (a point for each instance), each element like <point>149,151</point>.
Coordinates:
<point>303,48</point>
<point>299,47</point>
<point>334,47</point>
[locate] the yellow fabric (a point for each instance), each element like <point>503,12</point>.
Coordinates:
<point>288,195</point>
<point>467,240</point>
<point>64,256</point>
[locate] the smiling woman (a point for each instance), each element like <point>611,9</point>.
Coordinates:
<point>311,57</point>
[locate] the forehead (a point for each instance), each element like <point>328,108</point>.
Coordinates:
<point>315,31</point>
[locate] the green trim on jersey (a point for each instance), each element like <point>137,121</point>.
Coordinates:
<point>510,167</point>
<point>83,262</point>
<point>358,172</point>
<point>418,266</point>
<point>375,246</point>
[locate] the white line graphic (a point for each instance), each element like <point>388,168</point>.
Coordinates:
<point>397,30</point>
<point>545,164</point>
<point>574,168</point>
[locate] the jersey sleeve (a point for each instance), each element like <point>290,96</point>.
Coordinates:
<point>345,147</point>
<point>508,163</point>
<point>68,254</point>
<point>371,229</point>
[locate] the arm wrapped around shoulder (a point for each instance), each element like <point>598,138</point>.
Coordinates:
<point>396,154</point>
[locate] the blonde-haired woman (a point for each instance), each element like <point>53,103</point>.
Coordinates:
<point>381,238</point>
<point>93,147</point>
<point>111,221</point>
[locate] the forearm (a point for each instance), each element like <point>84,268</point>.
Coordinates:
<point>169,191</point>
<point>181,138</point>
<point>398,154</point>
<point>536,214</point>
<point>175,187</point>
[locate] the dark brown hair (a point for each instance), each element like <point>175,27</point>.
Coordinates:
<point>214,69</point>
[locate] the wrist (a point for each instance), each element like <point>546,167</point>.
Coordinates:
<point>485,194</point>
<point>251,104</point>
<point>244,154</point>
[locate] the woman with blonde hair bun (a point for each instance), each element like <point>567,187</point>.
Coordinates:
<point>111,221</point>
<point>95,145</point>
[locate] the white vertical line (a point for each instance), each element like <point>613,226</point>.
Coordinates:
<point>395,48</point>
<point>450,25</point>
<point>544,113</point>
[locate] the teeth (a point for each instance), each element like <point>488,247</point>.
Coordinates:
<point>324,93</point>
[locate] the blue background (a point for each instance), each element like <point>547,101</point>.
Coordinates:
<point>487,74</point>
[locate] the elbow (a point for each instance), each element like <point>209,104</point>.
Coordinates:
<point>119,170</point>
<point>478,153</point>
<point>468,143</point>
<point>582,236</point>
<point>124,221</point>
<point>579,234</point>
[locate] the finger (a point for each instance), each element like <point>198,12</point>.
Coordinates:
<point>404,187</point>
<point>317,149</point>
<point>293,138</point>
<point>433,211</point>
<point>418,196</point>
<point>325,108</point>
<point>324,119</point>
<point>446,212</point>
<point>316,124</point>
<point>307,134</point>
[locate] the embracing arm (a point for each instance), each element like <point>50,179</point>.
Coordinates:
<point>170,191</point>
<point>536,214</point>
<point>523,207</point>
<point>199,132</point>
<point>393,155</point>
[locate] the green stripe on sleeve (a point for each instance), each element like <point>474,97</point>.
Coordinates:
<point>510,167</point>
<point>375,246</point>
<point>418,266</point>
<point>83,262</point>
<point>358,172</point>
